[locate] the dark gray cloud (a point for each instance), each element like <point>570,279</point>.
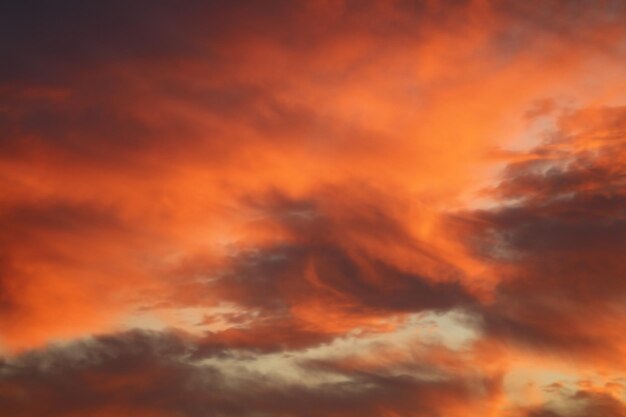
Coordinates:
<point>322,259</point>
<point>558,239</point>
<point>152,372</point>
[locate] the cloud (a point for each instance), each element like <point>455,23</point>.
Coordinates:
<point>330,267</point>
<point>258,182</point>
<point>152,374</point>
<point>582,403</point>
<point>557,238</point>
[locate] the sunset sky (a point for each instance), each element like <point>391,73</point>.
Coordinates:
<point>324,208</point>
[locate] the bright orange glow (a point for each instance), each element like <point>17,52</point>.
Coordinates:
<point>377,208</point>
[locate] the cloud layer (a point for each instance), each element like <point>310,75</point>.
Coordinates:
<point>377,208</point>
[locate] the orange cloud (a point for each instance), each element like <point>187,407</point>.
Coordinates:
<point>273,178</point>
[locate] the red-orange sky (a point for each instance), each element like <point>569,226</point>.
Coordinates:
<point>331,208</point>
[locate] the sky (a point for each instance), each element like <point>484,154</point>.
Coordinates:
<point>313,208</point>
